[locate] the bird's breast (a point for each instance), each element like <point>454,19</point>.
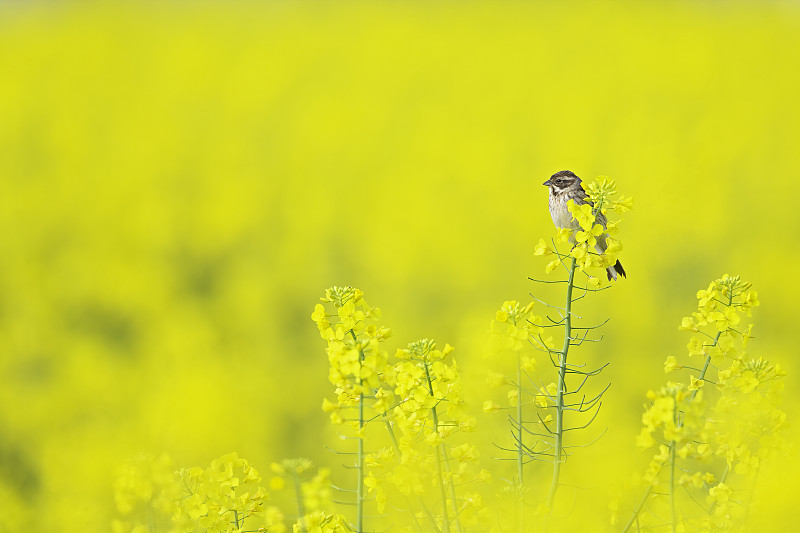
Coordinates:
<point>561,216</point>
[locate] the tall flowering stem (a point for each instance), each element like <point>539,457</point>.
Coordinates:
<point>441,456</point>
<point>358,369</point>
<point>360,469</point>
<point>513,330</point>
<point>429,414</point>
<point>417,399</point>
<point>562,388</point>
<point>225,496</point>
<point>546,411</point>
<point>716,440</point>
<point>594,248</point>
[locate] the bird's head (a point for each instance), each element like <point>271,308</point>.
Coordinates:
<point>561,181</point>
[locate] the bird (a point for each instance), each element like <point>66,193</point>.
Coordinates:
<point>565,186</point>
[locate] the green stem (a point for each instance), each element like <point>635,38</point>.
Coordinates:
<point>562,372</point>
<point>360,459</point>
<point>301,511</point>
<point>672,486</point>
<point>360,488</point>
<point>638,509</point>
<point>672,446</point>
<point>520,456</point>
<point>439,459</point>
<point>442,489</point>
<point>452,489</point>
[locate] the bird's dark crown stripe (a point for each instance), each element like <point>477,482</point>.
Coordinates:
<point>564,174</point>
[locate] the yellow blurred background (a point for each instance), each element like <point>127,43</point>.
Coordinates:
<point>180,182</point>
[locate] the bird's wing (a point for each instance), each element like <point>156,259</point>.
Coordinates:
<point>582,198</point>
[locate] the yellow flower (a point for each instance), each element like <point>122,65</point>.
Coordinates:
<point>370,481</point>
<point>727,319</point>
<point>513,397</point>
<point>563,234</point>
<point>695,346</point>
<point>695,383</point>
<point>380,499</point>
<point>623,204</point>
<point>589,236</point>
<point>645,439</point>
<point>528,363</point>
<point>749,300</point>
<point>433,439</point>
<point>579,251</point>
<point>747,382</point>
<point>706,296</point>
<point>489,406</point>
<point>613,246</point>
<point>671,364</point>
<point>542,248</point>
<point>719,494</point>
<point>582,214</point>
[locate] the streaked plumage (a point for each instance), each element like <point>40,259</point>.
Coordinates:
<point>565,186</point>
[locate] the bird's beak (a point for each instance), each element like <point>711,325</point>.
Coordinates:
<point>546,183</point>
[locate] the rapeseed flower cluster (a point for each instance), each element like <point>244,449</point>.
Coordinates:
<point>430,411</point>
<point>591,232</point>
<point>515,334</point>
<point>225,497</point>
<point>220,497</point>
<point>358,363</point>
<point>145,493</point>
<point>417,397</point>
<point>712,429</point>
<point>593,245</point>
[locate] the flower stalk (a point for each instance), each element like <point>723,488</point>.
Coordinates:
<point>700,425</point>
<point>562,372</point>
<point>520,452</point>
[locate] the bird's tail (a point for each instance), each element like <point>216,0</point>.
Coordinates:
<point>612,271</point>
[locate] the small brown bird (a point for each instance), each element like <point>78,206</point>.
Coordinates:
<point>565,186</point>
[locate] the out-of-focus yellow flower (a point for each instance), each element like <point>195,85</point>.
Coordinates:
<point>542,248</point>
<point>589,236</point>
<point>582,213</point>
<point>719,494</point>
<point>490,406</point>
<point>671,364</point>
